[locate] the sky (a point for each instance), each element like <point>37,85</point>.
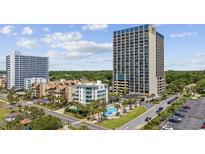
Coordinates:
<point>89,47</point>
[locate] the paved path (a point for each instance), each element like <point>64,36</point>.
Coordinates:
<point>138,122</point>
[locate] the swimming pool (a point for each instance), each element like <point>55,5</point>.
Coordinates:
<point>111,110</point>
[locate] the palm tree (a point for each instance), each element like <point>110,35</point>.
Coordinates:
<point>124,104</point>
<point>100,107</point>
<point>111,96</point>
<point>12,96</point>
<point>125,90</point>
<point>28,94</point>
<point>117,106</point>
<point>118,96</point>
<point>77,105</point>
<point>130,102</point>
<point>92,108</point>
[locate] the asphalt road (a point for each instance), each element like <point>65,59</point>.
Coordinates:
<point>3,96</point>
<point>138,122</point>
<point>65,118</point>
<point>194,118</point>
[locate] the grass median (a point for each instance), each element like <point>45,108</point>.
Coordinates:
<point>115,123</point>
<point>3,113</point>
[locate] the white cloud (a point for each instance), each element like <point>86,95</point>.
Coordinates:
<point>79,49</point>
<point>94,27</point>
<point>27,31</point>
<point>7,29</point>
<point>197,62</point>
<point>61,37</point>
<point>46,29</point>
<point>73,45</point>
<point>182,35</point>
<point>27,43</point>
<point>104,59</point>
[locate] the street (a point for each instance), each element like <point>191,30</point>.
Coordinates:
<point>65,118</point>
<point>138,122</point>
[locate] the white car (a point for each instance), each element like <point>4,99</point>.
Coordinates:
<point>30,103</point>
<point>167,128</point>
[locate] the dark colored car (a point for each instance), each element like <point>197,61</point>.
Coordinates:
<point>186,107</point>
<point>169,102</point>
<point>203,126</point>
<point>159,110</point>
<point>174,119</point>
<point>179,114</point>
<point>148,119</point>
<point>182,110</point>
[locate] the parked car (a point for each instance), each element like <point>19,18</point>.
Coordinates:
<point>186,107</point>
<point>159,110</point>
<point>179,114</point>
<point>175,119</point>
<point>169,102</point>
<point>165,127</point>
<point>182,110</point>
<point>148,119</point>
<point>203,126</point>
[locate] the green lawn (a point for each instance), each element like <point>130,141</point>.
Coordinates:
<point>3,113</point>
<point>115,123</point>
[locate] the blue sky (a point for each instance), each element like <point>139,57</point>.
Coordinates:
<point>89,47</point>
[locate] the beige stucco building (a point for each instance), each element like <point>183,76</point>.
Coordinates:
<point>55,88</point>
<point>138,60</point>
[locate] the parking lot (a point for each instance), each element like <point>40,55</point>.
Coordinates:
<point>193,119</point>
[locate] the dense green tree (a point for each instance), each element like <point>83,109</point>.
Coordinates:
<point>200,86</point>
<point>83,127</point>
<point>46,123</point>
<point>33,112</point>
<point>14,125</point>
<point>104,76</point>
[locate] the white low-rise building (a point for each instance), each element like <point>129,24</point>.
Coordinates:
<point>29,81</point>
<point>86,92</point>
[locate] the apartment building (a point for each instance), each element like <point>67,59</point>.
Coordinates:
<point>54,88</point>
<point>86,92</point>
<point>29,81</point>
<point>20,67</point>
<point>138,60</point>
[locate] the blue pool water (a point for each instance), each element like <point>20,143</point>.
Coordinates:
<point>111,110</point>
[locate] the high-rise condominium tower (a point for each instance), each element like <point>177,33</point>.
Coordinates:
<point>138,60</point>
<point>20,67</point>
